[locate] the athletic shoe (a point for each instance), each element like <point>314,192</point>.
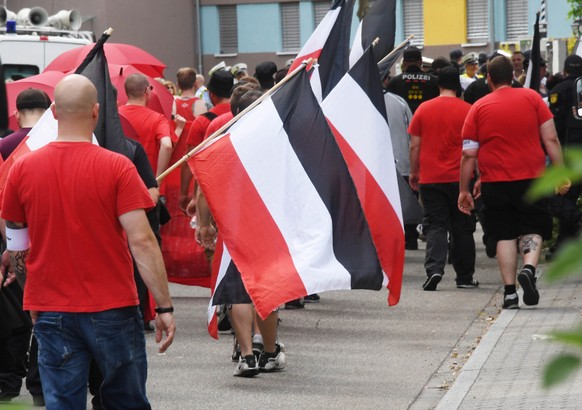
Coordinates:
<point>235,350</point>
<point>246,367</point>
<point>527,280</point>
<point>511,301</point>
<point>468,285</point>
<point>311,298</point>
<point>272,362</point>
<point>432,281</point>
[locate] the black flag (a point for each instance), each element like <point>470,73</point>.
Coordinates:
<point>108,131</point>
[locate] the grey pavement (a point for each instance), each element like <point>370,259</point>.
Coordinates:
<point>453,348</point>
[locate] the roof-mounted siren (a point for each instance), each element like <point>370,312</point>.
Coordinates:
<point>66,20</point>
<point>35,16</point>
<point>6,15</point>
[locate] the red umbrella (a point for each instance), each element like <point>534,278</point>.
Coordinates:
<point>116,53</point>
<point>161,100</point>
<point>45,81</point>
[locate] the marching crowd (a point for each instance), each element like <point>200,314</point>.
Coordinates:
<point>466,135</point>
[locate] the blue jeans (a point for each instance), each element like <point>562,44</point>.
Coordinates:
<point>115,338</point>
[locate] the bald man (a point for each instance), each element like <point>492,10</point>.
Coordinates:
<point>152,128</point>
<point>69,244</point>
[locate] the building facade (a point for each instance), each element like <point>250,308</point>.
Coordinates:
<point>202,33</point>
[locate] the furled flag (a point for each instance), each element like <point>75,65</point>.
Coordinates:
<point>3,101</point>
<point>329,43</point>
<point>387,62</point>
<point>367,148</point>
<point>285,203</point>
<point>108,131</point>
<point>532,78</point>
<point>379,22</point>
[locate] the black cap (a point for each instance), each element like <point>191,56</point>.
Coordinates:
<point>32,98</point>
<point>456,54</point>
<point>264,72</point>
<point>449,78</point>
<point>221,83</point>
<point>412,54</point>
<point>573,64</point>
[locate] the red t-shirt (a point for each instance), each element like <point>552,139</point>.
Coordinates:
<point>217,123</point>
<point>150,127</point>
<point>438,123</point>
<point>71,194</point>
<point>506,124</point>
<point>198,128</point>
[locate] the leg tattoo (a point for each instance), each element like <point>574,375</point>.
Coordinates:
<point>529,243</point>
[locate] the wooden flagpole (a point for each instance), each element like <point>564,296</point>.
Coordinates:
<point>219,132</point>
<point>396,49</point>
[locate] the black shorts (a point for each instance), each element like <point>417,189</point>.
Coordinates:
<point>508,214</point>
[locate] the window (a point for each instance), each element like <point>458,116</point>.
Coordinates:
<point>290,27</point>
<point>414,20</point>
<point>320,9</point>
<point>228,29</point>
<point>516,12</point>
<point>477,21</point>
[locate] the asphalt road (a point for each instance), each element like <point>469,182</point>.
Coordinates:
<point>350,351</point>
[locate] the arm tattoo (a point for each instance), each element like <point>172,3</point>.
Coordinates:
<point>18,258</point>
<point>529,243</point>
<point>18,262</point>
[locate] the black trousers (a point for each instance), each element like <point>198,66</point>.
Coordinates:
<point>440,216</point>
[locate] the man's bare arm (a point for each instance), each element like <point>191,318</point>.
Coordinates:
<point>165,155</point>
<point>18,258</point>
<point>148,257</point>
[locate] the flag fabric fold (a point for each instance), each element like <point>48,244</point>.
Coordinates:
<point>367,149</point>
<point>285,203</point>
<point>329,44</point>
<point>379,22</point>
<point>532,79</point>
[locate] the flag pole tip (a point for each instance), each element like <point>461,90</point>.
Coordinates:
<point>376,41</point>
<point>109,31</point>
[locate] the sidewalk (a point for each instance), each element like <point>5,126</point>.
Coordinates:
<point>505,370</point>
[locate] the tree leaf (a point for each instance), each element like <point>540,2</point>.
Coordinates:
<point>559,369</point>
<point>546,185</point>
<point>573,338</point>
<point>568,261</point>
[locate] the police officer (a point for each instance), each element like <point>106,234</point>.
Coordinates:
<point>413,84</point>
<point>415,87</point>
<point>562,98</point>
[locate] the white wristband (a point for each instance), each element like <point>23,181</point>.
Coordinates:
<point>470,144</point>
<point>17,239</point>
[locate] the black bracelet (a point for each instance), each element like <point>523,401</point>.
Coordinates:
<point>165,310</point>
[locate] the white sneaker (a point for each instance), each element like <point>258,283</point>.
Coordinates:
<point>246,367</point>
<point>272,362</point>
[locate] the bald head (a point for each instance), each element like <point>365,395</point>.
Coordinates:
<point>136,85</point>
<point>75,98</point>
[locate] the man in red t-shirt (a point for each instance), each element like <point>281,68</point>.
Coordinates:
<point>219,88</point>
<point>70,245</point>
<point>152,128</point>
<point>435,155</point>
<point>505,131</point>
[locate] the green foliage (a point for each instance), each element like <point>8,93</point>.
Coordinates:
<point>575,9</point>
<point>559,369</point>
<point>569,259</point>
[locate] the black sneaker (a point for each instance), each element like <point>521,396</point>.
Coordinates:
<point>511,301</point>
<point>432,281</point>
<point>272,362</point>
<point>311,298</point>
<point>527,280</point>
<point>246,367</point>
<point>468,285</point>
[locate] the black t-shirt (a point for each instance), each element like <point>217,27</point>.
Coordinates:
<point>415,86</point>
<point>140,159</point>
